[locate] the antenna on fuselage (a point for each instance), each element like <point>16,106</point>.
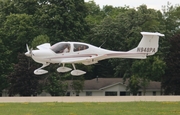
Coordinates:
<point>102,43</point>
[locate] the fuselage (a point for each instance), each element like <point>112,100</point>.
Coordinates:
<point>68,50</point>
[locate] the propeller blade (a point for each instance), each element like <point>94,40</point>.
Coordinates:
<point>29,51</point>
<point>27,47</point>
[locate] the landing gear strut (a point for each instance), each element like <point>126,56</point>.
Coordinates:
<point>63,69</point>
<point>41,71</point>
<point>74,72</point>
<point>77,72</point>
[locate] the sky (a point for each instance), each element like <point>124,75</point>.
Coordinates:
<point>155,4</point>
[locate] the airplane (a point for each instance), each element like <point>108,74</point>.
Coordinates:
<point>78,52</point>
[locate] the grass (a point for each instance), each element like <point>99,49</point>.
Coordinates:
<point>118,108</point>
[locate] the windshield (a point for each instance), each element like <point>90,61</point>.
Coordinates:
<point>61,48</point>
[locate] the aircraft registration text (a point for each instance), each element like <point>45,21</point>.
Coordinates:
<point>142,49</point>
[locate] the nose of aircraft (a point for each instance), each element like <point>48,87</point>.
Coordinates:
<point>29,51</point>
<point>28,54</point>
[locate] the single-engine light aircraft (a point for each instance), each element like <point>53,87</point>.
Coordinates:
<point>77,52</point>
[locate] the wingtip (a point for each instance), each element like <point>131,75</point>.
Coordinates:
<point>152,33</point>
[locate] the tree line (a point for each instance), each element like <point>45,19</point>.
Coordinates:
<point>35,22</point>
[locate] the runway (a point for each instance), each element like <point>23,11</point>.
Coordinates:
<point>90,99</point>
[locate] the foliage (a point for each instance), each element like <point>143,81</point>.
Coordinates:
<point>40,39</point>
<point>171,78</point>
<point>78,85</point>
<point>116,28</point>
<point>33,21</point>
<point>62,20</point>
<point>17,31</point>
<point>133,85</point>
<point>94,13</point>
<point>3,66</point>
<point>147,70</point>
<point>122,33</point>
<point>171,16</point>
<point>22,80</point>
<point>55,85</point>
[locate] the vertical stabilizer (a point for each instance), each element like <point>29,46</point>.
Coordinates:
<point>149,43</point>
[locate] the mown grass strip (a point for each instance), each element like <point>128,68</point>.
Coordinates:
<point>117,108</point>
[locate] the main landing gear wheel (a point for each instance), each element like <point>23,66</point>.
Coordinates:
<point>77,72</point>
<point>63,69</point>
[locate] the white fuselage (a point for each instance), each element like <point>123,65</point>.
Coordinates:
<point>49,56</point>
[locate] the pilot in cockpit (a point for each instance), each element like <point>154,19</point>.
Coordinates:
<point>66,49</point>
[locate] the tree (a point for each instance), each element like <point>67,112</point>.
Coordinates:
<point>171,17</point>
<point>134,85</point>
<point>171,79</point>
<point>18,30</point>
<point>40,39</point>
<point>3,67</point>
<point>62,20</point>
<point>26,6</point>
<point>95,15</point>
<point>146,70</point>
<point>122,33</point>
<point>55,85</point>
<point>78,85</point>
<point>22,80</point>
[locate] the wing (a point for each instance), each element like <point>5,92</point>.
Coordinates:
<point>84,60</point>
<point>95,58</point>
<point>127,55</point>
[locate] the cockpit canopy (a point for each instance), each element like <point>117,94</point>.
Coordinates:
<point>61,48</point>
<point>80,47</point>
<point>66,47</point>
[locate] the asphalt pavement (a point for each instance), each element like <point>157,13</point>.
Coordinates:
<point>90,99</point>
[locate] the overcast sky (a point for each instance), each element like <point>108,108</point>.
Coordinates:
<point>156,4</point>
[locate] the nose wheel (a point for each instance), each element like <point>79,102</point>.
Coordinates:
<point>41,71</point>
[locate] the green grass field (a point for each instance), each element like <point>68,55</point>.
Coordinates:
<point>119,108</point>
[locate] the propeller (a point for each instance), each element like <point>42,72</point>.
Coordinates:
<point>29,51</point>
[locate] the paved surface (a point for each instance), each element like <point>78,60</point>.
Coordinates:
<point>90,99</point>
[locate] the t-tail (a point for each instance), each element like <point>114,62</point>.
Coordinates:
<point>149,44</point>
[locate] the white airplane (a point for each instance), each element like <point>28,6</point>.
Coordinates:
<point>77,52</point>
